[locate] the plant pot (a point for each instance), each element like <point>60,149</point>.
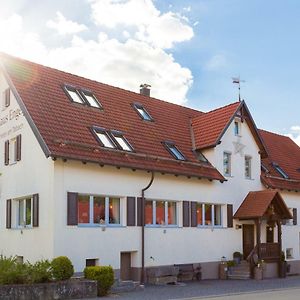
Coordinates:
<point>258,273</point>
<point>237,260</point>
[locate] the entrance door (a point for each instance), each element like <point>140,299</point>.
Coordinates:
<point>125,272</point>
<point>248,239</point>
<point>270,234</point>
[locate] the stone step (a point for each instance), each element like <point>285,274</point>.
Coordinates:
<point>239,276</point>
<point>126,286</point>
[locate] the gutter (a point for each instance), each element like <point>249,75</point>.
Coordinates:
<point>143,227</point>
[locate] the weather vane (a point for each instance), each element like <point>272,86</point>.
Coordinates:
<point>238,80</point>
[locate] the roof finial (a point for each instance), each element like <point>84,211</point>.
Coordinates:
<point>238,81</point>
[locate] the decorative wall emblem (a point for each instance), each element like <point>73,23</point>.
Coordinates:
<point>239,147</point>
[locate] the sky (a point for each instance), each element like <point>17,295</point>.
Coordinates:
<point>187,50</point>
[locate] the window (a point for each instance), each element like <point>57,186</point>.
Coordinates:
<point>227,163</point>
<point>6,98</point>
<point>289,253</point>
<point>161,213</point>
<point>280,171</point>
<point>12,151</point>
<point>74,95</point>
<point>112,139</point>
<point>293,221</point>
<point>248,167</point>
<point>263,168</point>
<point>209,214</point>
<point>142,112</point>
<point>91,99</point>
<point>122,142</point>
<point>98,210</point>
<point>24,215</point>
<point>91,262</point>
<point>236,128</point>
<point>174,150</point>
<point>104,138</point>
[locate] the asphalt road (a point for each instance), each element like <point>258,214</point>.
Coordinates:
<point>286,294</point>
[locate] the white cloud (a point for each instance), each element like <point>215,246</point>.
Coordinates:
<point>295,134</point>
<point>148,23</point>
<point>64,26</point>
<point>124,64</point>
<point>216,62</point>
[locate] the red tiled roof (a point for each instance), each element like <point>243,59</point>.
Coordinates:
<point>64,127</point>
<point>255,205</point>
<point>286,154</point>
<point>208,127</point>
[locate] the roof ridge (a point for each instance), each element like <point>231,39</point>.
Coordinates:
<point>222,107</point>
<point>106,84</point>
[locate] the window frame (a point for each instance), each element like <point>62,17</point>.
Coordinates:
<point>212,225</point>
<point>281,171</point>
<point>166,214</point>
<point>118,134</point>
<point>249,159</point>
<point>168,145</point>
<point>71,88</point>
<point>106,223</point>
<point>101,130</point>
<point>230,163</point>
<point>17,202</point>
<point>237,131</point>
<point>138,106</point>
<point>12,151</point>
<point>84,93</point>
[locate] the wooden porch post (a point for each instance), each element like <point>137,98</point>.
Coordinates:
<point>258,234</point>
<point>279,232</point>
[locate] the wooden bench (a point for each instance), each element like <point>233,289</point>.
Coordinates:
<point>189,271</point>
<point>162,275</point>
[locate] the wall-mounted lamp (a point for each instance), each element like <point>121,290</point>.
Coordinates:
<point>238,226</point>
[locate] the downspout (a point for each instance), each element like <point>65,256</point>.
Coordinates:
<point>143,227</point>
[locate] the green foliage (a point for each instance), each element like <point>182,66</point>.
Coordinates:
<point>104,275</point>
<point>12,272</point>
<point>40,271</point>
<point>62,268</point>
<point>231,263</point>
<point>237,255</point>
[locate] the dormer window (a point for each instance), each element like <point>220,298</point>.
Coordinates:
<point>174,150</point>
<point>74,95</point>
<point>280,171</point>
<point>112,139</point>
<point>121,140</point>
<point>91,99</point>
<point>142,112</point>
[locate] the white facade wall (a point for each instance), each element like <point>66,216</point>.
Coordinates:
<point>33,174</point>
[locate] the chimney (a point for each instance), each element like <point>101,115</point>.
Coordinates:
<point>145,89</point>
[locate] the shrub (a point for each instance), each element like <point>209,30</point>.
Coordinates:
<point>104,275</point>
<point>62,268</point>
<point>12,272</point>
<point>40,271</point>
<point>231,263</point>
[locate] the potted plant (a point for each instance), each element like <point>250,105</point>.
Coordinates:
<point>258,270</point>
<point>237,257</point>
<point>283,266</point>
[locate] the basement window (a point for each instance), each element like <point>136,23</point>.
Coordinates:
<point>174,150</point>
<point>73,94</point>
<point>104,138</point>
<point>280,171</point>
<point>91,262</point>
<point>142,112</point>
<point>91,99</point>
<point>121,141</point>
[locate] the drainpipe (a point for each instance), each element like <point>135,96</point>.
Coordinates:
<point>143,227</point>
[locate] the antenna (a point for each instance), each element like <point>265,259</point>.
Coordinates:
<point>238,80</point>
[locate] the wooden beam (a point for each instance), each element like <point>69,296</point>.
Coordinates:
<point>279,232</point>
<point>258,237</point>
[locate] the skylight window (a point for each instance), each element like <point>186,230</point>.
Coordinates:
<point>104,138</point>
<point>111,139</point>
<point>91,99</point>
<point>122,142</point>
<point>280,171</point>
<point>264,168</point>
<point>174,151</point>
<point>142,112</point>
<point>74,95</point>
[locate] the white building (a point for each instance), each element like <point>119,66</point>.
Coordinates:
<point>78,155</point>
